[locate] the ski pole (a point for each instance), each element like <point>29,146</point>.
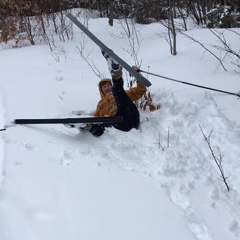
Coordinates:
<point>191,84</point>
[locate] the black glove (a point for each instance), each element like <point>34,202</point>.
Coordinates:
<point>97,130</point>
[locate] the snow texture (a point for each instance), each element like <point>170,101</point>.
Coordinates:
<point>157,182</point>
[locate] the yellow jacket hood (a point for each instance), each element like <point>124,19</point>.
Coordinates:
<point>104,80</point>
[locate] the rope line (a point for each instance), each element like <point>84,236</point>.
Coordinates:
<point>191,84</point>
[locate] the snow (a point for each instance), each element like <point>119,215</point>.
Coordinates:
<point>159,181</point>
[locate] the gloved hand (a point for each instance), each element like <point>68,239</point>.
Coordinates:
<point>97,130</point>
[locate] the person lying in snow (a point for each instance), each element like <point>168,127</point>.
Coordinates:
<point>115,101</point>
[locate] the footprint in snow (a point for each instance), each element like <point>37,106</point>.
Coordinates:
<point>235,228</point>
<point>66,158</point>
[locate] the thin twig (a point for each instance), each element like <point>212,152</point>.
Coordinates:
<point>218,160</point>
<point>159,142</point>
<point>201,44</point>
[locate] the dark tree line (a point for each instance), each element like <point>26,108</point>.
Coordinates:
<point>143,11</point>
<point>15,15</point>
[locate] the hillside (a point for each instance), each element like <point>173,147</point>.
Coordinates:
<point>157,182</point>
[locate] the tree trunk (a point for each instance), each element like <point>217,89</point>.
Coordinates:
<point>110,9</point>
<point>172,28</point>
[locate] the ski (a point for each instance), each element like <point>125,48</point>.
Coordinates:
<point>110,52</point>
<point>97,120</point>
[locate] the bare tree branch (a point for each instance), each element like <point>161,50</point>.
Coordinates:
<point>201,44</point>
<point>218,160</point>
<point>90,64</point>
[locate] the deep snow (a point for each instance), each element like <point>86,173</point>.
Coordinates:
<point>158,182</point>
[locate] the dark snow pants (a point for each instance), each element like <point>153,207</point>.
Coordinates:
<point>125,107</point>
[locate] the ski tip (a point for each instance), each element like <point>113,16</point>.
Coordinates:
<point>144,81</point>
<point>18,121</point>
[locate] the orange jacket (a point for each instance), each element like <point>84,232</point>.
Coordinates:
<point>107,107</point>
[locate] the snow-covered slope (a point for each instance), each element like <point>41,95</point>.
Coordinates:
<point>157,182</point>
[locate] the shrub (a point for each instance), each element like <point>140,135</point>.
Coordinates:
<point>222,17</point>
